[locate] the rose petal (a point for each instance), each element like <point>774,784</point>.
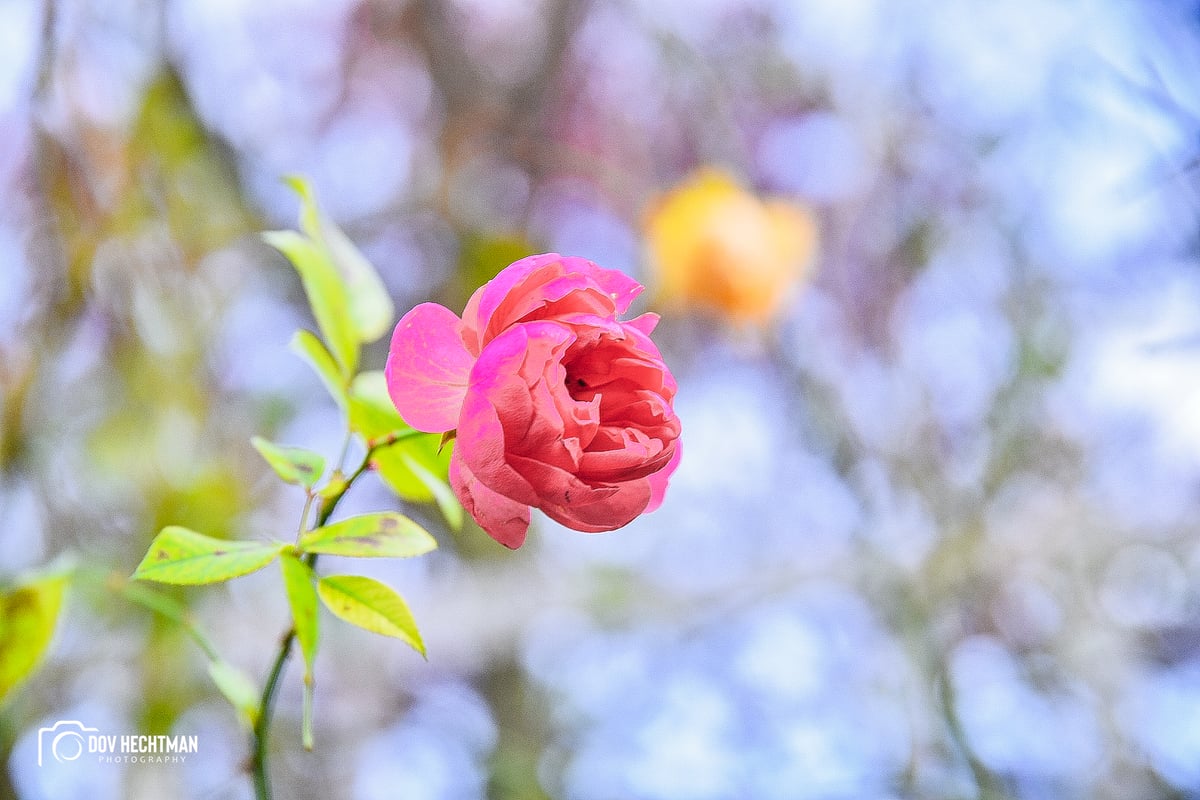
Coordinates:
<point>480,445</point>
<point>569,283</point>
<point>487,298</point>
<point>557,486</point>
<point>427,368</point>
<point>499,409</point>
<point>619,286</point>
<point>505,520</point>
<point>646,323</point>
<point>658,481</point>
<point>608,514</point>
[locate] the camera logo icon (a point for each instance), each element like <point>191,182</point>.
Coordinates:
<point>65,740</point>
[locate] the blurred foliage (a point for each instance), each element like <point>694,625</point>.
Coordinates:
<point>28,618</point>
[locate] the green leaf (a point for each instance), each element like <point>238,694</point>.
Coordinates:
<point>370,605</point>
<point>415,471</point>
<point>178,555</point>
<point>28,617</point>
<point>414,468</point>
<point>372,413</point>
<point>293,464</point>
<point>298,582</point>
<point>306,345</point>
<point>237,688</point>
<point>371,307</point>
<point>443,495</point>
<point>327,294</point>
<point>385,534</point>
<point>168,607</point>
<point>302,597</point>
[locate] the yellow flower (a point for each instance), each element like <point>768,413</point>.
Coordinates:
<point>712,242</point>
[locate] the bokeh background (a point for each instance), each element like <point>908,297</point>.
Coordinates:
<point>934,533</point>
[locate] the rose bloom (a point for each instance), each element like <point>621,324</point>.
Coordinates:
<point>558,403</point>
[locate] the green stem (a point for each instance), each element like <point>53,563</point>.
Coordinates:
<point>266,705</point>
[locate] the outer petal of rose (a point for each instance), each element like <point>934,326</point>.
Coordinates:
<point>607,514</point>
<point>658,481</point>
<point>646,323</point>
<point>427,368</point>
<point>480,446</point>
<point>576,273</point>
<point>484,302</point>
<point>560,488</point>
<point>505,520</point>
<point>619,286</point>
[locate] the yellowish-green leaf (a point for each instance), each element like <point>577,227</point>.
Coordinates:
<point>415,468</point>
<point>182,556</point>
<point>370,605</point>
<point>436,485</point>
<point>299,583</point>
<point>306,345</point>
<point>327,294</point>
<point>385,534</point>
<point>371,307</point>
<point>237,687</point>
<point>372,413</point>
<point>416,471</point>
<point>294,465</point>
<point>28,617</point>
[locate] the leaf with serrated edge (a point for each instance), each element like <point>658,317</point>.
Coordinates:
<point>327,294</point>
<point>28,617</point>
<point>293,465</point>
<point>370,605</point>
<point>306,345</point>
<point>382,535</point>
<point>238,689</point>
<point>181,556</point>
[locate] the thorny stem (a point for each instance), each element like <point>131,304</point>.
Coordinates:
<point>262,723</point>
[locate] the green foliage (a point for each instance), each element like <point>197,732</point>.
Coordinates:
<point>397,464</point>
<point>302,597</point>
<point>181,556</point>
<point>347,296</point>
<point>28,617</point>
<point>351,307</point>
<point>385,534</point>
<point>370,306</point>
<point>294,465</point>
<point>372,414</point>
<point>194,184</point>
<point>370,605</point>
<point>327,294</point>
<point>415,466</point>
<point>306,345</point>
<point>237,688</point>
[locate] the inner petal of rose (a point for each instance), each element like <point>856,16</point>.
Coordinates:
<point>636,430</point>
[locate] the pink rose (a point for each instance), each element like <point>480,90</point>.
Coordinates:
<point>558,404</point>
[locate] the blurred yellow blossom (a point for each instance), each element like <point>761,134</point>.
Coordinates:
<point>710,241</point>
